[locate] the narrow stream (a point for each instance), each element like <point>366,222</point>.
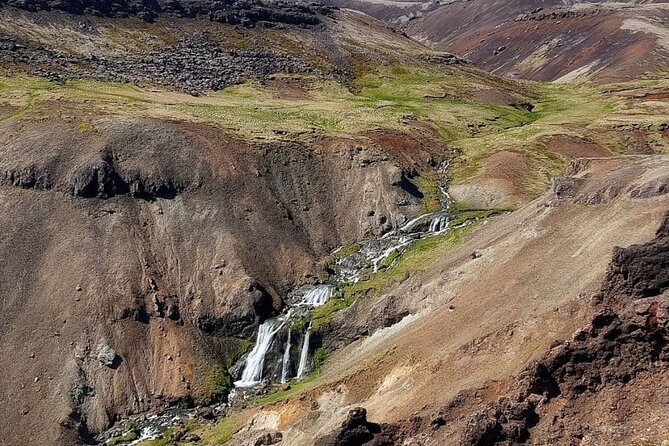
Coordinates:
<point>282,350</point>
<point>275,336</point>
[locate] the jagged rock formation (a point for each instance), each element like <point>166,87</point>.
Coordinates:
<point>627,338</point>
<point>245,13</point>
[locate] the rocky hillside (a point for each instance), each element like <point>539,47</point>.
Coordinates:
<point>603,41</point>
<point>171,172</point>
<point>566,350</point>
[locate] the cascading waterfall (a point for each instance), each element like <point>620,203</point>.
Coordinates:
<point>438,223</point>
<point>317,296</point>
<point>255,361</point>
<point>286,361</point>
<point>370,257</point>
<point>304,354</point>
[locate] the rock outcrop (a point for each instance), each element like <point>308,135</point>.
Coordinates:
<point>245,13</point>
<point>627,338</point>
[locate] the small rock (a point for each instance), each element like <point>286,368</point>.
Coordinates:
<point>36,379</point>
<point>78,288</point>
<point>476,254</point>
<point>205,412</point>
<point>191,438</point>
<point>106,355</point>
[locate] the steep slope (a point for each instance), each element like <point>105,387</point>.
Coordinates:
<point>548,40</point>
<point>477,321</point>
<point>167,180</point>
<point>147,231</point>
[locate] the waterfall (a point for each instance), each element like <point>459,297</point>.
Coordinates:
<point>317,296</point>
<point>304,355</point>
<point>438,223</point>
<point>286,361</point>
<point>252,374</point>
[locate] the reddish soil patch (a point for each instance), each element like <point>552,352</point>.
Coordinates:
<point>508,166</point>
<point>574,147</point>
<point>656,96</point>
<point>493,97</point>
<point>285,89</point>
<point>416,149</point>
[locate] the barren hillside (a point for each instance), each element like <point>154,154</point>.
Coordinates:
<point>232,222</point>
<point>550,40</point>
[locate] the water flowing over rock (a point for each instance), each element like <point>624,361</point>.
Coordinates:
<point>304,355</point>
<point>255,361</point>
<point>286,361</point>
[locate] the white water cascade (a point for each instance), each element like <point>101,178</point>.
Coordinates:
<point>438,224</point>
<point>255,362</point>
<point>317,296</point>
<point>304,354</point>
<point>286,361</point>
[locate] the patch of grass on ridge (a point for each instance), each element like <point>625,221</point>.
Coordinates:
<point>418,256</point>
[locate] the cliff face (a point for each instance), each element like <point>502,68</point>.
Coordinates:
<point>137,256</point>
<point>536,330</point>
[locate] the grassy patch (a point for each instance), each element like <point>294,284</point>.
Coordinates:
<point>322,314</point>
<point>295,388</point>
<point>347,251</point>
<point>125,438</point>
<point>429,187</point>
<point>219,381</point>
<point>164,439</point>
<point>320,355</point>
<point>222,432</point>
<point>418,256</point>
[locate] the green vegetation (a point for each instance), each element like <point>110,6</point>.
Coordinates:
<point>295,388</point>
<point>164,440</point>
<point>221,433</point>
<point>125,438</point>
<point>299,325</point>
<point>322,314</point>
<point>429,187</point>
<point>320,355</point>
<point>347,251</point>
<point>381,98</point>
<point>219,381</point>
<point>388,261</point>
<point>398,266</point>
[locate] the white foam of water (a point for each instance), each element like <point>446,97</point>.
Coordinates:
<point>304,355</point>
<point>317,296</point>
<point>255,362</point>
<point>286,361</point>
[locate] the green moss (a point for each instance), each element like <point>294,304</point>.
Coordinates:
<point>295,388</point>
<point>429,187</point>
<point>347,251</point>
<point>320,355</point>
<point>418,256</point>
<point>125,438</point>
<point>323,313</point>
<point>388,261</point>
<point>164,439</point>
<point>219,381</point>
<point>299,325</point>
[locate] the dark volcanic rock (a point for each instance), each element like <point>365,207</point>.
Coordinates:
<point>97,179</point>
<point>627,337</point>
<point>31,177</point>
<point>247,13</point>
<point>641,270</point>
<point>357,431</point>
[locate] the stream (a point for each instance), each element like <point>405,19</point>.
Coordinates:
<point>283,350</point>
